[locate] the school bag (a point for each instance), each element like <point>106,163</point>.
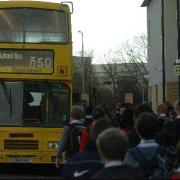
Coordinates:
<point>76,130</point>
<point>155,168</point>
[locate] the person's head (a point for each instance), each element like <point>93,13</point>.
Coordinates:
<point>146,125</point>
<point>171,112</point>
<point>162,109</point>
<point>99,126</point>
<point>112,145</point>
<point>98,112</point>
<point>167,104</point>
<point>76,112</point>
<point>118,108</point>
<point>177,106</point>
<point>143,107</point>
<point>127,118</point>
<point>89,110</point>
<point>28,98</point>
<point>108,111</point>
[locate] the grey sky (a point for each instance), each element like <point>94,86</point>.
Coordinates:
<point>106,24</point>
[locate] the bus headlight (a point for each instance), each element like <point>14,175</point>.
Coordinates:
<point>53,145</point>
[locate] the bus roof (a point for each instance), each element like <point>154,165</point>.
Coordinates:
<point>33,4</point>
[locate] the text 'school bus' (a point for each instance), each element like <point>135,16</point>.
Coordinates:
<point>35,79</point>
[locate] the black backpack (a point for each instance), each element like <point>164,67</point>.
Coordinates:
<point>156,168</point>
<point>76,130</point>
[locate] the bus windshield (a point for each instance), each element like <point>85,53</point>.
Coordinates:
<point>42,104</point>
<point>28,25</point>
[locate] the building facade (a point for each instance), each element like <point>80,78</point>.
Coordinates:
<point>162,50</point>
<point>110,82</point>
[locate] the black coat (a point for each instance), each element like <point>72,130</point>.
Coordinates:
<point>119,172</point>
<point>83,165</point>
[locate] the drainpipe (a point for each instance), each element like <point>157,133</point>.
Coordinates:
<point>178,41</point>
<point>163,52</point>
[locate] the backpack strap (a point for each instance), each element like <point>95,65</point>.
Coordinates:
<point>139,156</point>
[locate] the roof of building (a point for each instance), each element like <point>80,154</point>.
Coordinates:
<point>145,3</point>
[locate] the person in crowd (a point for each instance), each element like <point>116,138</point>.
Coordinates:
<point>162,116</point>
<point>147,155</point>
<point>86,163</point>
<point>162,110</point>
<point>177,120</point>
<point>133,135</point>
<point>171,113</point>
<point>108,111</point>
<point>176,172</point>
<point>169,135</point>
<point>98,112</point>
<point>117,113</point>
<point>127,120</point>
<point>66,144</point>
<point>168,107</point>
<point>112,146</point>
<point>166,132</point>
<point>88,120</point>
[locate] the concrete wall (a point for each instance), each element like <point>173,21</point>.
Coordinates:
<point>154,42</point>
<point>155,51</point>
<point>170,39</point>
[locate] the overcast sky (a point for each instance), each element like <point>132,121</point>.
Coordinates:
<point>106,24</point>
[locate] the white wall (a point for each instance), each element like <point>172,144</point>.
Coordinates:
<point>154,39</point>
<point>170,39</point>
<point>154,33</point>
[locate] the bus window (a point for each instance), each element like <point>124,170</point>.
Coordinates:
<point>58,104</point>
<point>45,104</point>
<point>30,25</point>
<point>31,106</point>
<point>11,95</point>
<point>37,30</point>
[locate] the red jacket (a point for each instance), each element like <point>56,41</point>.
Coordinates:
<point>84,137</point>
<point>175,176</point>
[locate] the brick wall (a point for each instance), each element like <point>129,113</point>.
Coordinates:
<point>171,92</point>
<point>156,94</point>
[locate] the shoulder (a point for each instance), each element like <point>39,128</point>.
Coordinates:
<point>67,128</point>
<point>119,172</point>
<point>79,166</point>
<point>131,158</point>
<point>85,157</point>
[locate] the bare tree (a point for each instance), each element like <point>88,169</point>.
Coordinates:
<point>111,69</point>
<point>133,55</point>
<point>89,78</point>
<point>128,61</point>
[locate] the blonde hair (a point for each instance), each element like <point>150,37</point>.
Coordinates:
<point>76,112</point>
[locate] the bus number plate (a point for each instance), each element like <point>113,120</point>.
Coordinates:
<point>21,160</point>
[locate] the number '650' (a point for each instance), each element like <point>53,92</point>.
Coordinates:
<point>40,62</point>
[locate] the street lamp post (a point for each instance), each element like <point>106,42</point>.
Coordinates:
<point>82,55</point>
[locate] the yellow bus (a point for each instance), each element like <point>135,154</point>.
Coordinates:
<point>35,79</point>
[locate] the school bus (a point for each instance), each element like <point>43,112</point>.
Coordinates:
<point>35,79</point>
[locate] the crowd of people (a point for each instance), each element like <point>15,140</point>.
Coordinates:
<point>125,143</point>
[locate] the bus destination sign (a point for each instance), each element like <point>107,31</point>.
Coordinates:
<point>26,61</point>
